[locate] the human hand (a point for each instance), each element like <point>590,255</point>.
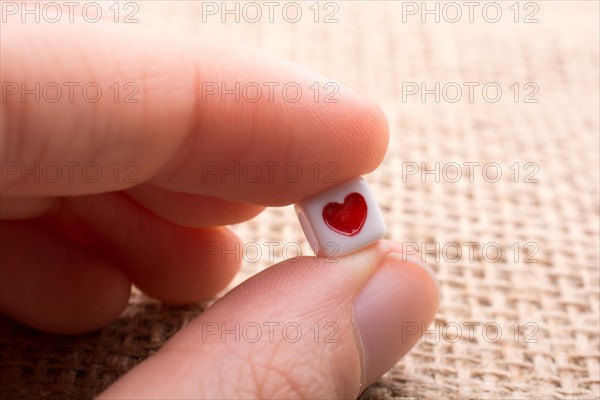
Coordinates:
<point>153,190</point>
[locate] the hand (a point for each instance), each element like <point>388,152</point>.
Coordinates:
<point>97,194</point>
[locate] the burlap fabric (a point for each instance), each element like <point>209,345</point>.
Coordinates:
<point>521,324</point>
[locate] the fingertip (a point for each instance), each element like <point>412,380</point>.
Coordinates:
<point>172,263</point>
<point>393,310</point>
<point>53,285</point>
<point>376,131</point>
<point>204,262</point>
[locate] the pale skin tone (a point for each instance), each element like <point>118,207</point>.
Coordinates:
<point>171,210</point>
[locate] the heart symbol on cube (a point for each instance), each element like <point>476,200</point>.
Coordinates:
<point>342,219</point>
<point>347,218</point>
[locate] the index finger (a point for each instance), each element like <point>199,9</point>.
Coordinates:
<point>206,118</point>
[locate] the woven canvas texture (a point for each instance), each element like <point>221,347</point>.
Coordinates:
<point>520,324</point>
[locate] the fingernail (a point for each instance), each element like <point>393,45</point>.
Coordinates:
<point>393,310</point>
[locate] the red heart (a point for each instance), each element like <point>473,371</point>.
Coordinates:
<point>348,218</point>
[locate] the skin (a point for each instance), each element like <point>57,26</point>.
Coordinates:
<point>169,210</point>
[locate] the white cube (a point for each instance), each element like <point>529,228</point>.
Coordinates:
<point>341,220</point>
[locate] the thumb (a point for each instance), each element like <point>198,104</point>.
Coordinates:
<point>305,328</point>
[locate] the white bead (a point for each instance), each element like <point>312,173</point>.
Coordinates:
<point>341,220</point>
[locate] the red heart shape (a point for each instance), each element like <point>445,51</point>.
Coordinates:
<point>347,218</point>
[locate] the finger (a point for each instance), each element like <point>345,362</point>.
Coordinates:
<point>16,208</point>
<point>172,263</point>
<point>181,135</point>
<point>305,328</point>
<point>49,283</point>
<point>192,210</point>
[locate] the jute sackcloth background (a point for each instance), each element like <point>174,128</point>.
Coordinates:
<point>523,324</point>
